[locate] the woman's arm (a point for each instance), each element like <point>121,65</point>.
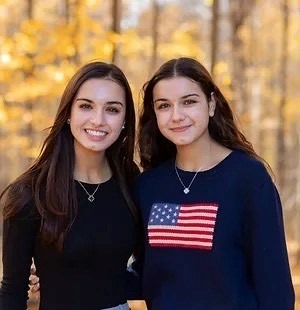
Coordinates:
<point>267,250</point>
<point>19,234</point>
<point>134,280</point>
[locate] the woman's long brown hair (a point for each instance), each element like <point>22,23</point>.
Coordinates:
<point>49,182</point>
<point>154,148</point>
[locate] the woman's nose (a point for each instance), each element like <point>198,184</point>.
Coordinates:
<point>98,118</point>
<point>178,114</point>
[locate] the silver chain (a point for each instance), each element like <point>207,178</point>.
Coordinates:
<point>91,197</point>
<point>186,189</point>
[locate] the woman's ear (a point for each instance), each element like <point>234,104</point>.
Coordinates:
<point>212,105</point>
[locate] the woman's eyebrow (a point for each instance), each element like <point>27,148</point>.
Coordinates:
<point>115,102</point>
<point>108,102</point>
<point>189,95</point>
<point>85,99</point>
<point>183,97</point>
<point>160,99</point>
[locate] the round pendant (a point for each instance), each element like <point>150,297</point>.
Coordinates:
<point>186,190</point>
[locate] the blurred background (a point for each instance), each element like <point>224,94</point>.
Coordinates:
<point>251,47</point>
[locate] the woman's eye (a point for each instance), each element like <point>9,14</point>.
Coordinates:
<point>112,110</point>
<point>85,106</point>
<point>163,106</point>
<point>187,102</point>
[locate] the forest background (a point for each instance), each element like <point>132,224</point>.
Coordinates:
<point>251,47</point>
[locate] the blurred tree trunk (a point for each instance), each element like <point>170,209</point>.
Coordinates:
<point>296,216</point>
<point>155,34</point>
<point>256,87</point>
<point>28,75</point>
<point>67,11</point>
<point>30,9</point>
<point>116,25</point>
<point>214,36</point>
<point>73,21</point>
<point>78,7</point>
<point>281,148</point>
<point>240,9</point>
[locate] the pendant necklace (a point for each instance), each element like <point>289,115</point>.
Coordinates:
<point>186,189</point>
<point>91,197</point>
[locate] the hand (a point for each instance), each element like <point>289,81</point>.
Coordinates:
<point>34,281</point>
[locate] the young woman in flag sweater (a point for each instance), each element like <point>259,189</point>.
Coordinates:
<point>214,234</point>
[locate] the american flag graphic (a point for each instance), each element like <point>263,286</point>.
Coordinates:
<point>182,226</point>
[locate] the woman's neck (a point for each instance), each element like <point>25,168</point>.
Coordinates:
<point>202,156</point>
<point>94,169</point>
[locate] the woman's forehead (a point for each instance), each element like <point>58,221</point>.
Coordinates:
<point>176,87</point>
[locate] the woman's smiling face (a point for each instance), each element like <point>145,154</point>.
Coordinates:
<point>182,110</point>
<point>97,114</point>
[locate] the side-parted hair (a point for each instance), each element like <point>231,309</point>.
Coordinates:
<point>49,182</point>
<point>154,148</point>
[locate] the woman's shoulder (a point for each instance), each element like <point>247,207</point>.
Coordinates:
<point>252,169</point>
<point>154,173</point>
<point>17,202</point>
<point>249,162</point>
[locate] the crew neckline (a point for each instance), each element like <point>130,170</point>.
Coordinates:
<point>219,166</point>
<point>93,184</point>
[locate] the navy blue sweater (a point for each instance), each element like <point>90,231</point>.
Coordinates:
<point>221,246</point>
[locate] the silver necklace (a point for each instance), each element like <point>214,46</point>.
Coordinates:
<point>186,189</point>
<point>91,197</point>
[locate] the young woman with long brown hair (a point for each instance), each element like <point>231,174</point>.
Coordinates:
<point>71,210</point>
<point>214,235</point>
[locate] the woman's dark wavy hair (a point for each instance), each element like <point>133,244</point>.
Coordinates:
<point>49,182</point>
<point>154,148</point>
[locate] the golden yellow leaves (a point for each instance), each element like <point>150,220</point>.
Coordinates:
<point>209,2</point>
<point>181,44</point>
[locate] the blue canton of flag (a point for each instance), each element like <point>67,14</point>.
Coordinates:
<point>166,214</point>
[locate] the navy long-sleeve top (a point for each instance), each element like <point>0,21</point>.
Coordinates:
<point>220,247</point>
<point>90,273</point>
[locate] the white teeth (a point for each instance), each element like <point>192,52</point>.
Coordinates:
<point>96,133</point>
